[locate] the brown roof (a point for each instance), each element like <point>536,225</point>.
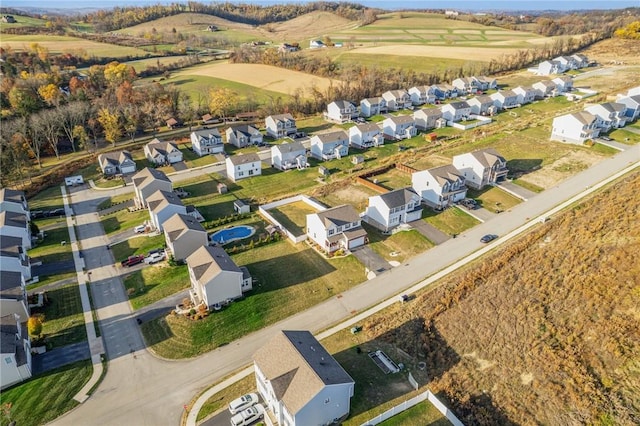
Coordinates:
<point>488,157</point>
<point>147,175</point>
<point>332,136</point>
<point>207,262</point>
<point>160,199</point>
<point>584,117</point>
<point>368,127</point>
<point>339,216</point>
<point>281,117</point>
<point>163,148</point>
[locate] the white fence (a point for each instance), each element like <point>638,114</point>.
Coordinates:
<point>414,401</point>
<point>264,211</point>
<point>481,121</point>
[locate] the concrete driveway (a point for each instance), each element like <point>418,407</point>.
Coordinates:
<point>53,268</point>
<point>481,214</point>
<point>371,260</point>
<point>59,357</point>
<point>179,166</point>
<point>516,190</point>
<point>223,417</point>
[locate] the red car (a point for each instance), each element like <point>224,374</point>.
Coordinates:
<point>133,260</point>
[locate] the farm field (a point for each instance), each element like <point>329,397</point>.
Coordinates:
<point>23,21</point>
<point>62,44</point>
<point>142,64</point>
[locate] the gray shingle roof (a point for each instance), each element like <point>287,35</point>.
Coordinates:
<point>208,261</point>
<point>398,197</point>
<point>339,215</point>
<point>178,224</point>
<point>237,160</point>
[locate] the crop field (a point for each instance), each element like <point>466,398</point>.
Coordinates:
<point>66,44</point>
<point>142,64</point>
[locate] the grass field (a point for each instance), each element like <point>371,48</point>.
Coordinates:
<point>48,199</point>
<point>24,21</point>
<point>138,245</point>
<point>63,319</point>
<point>399,246</point>
<point>153,283</point>
<point>450,221</point>
<point>142,64</point>
<point>63,44</point>
<point>493,199</point>
<point>293,216</point>
<point>50,249</point>
<point>49,279</point>
<point>123,219</point>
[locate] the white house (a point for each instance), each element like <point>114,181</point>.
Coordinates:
<point>427,118</point>
<point>327,146</point>
<point>162,205</point>
<point>481,168</point>
<point>300,382</point>
<point>465,85</point>
<point>524,95</point>
<point>566,62</point>
<point>243,166</point>
<point>575,128</point>
<point>563,83</point>
<point>183,235</point>
<point>16,225</point>
<point>456,111</point>
<point>388,210</point>
<point>316,44</point>
<point>161,153</point>
<point>146,182</point>
<point>632,106</point>
<point>13,295</point>
<point>13,257</point>
<point>341,111</point>
<point>550,67</point>
<point>15,350</point>
<point>505,99</point>
<point>399,127</point>
<point>215,278</point>
<point>287,156</point>
<point>481,105</point>
<point>545,88</point>
<point>580,60</point>
<point>609,115</point>
<point>243,136</point>
<point>439,187</point>
<point>397,99</point>
<point>633,91</point>
<point>117,162</point>
<point>336,228</point>
<point>421,95</point>
<point>365,135</point>
<point>12,200</point>
<point>281,125</point>
<point>485,83</point>
<point>373,106</point>
<point>207,141</point>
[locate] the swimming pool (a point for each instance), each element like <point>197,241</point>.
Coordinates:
<point>234,233</point>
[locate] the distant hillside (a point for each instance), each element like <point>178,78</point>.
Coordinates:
<point>187,23</point>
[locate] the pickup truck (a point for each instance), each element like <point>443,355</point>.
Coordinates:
<point>133,260</point>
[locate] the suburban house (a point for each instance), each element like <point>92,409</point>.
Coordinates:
<point>281,125</point>
<point>465,85</point>
<point>444,91</point>
<point>243,136</point>
<point>399,127</point>
<point>287,156</point>
<point>397,99</point>
<point>427,118</point>
<point>300,382</point>
<point>117,162</point>
<point>341,111</point>
<point>421,95</point>
<point>505,99</point>
<point>633,91</point>
<point>163,205</point>
<point>373,106</point>
<point>609,115</point>
<point>336,228</point>
<point>545,88</point>
<point>12,200</point>
<point>14,224</point>
<point>566,62</point>
<point>388,210</point>
<point>13,295</point>
<point>207,141</point>
<point>576,128</point>
<point>439,187</point>
<point>550,67</point>
<point>215,278</point>
<point>327,146</point>
<point>15,350</point>
<point>162,153</point>
<point>632,106</point>
<point>173,123</point>
<point>365,135</point>
<point>485,83</point>
<point>564,83</point>
<point>146,182</point>
<point>456,111</point>
<point>210,119</point>
<point>524,95</point>
<point>243,166</point>
<point>580,60</point>
<point>481,105</point>
<point>184,235</point>
<point>481,168</point>
<point>13,257</point>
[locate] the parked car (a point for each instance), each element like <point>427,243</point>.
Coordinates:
<point>35,214</point>
<point>488,238</point>
<point>154,258</point>
<point>140,229</point>
<point>469,203</point>
<point>133,260</point>
<point>248,416</point>
<point>244,402</point>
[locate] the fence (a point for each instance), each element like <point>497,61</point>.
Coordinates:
<point>480,121</point>
<point>372,185</point>
<point>264,211</point>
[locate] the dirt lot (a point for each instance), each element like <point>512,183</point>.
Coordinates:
<point>449,52</point>
<point>572,163</point>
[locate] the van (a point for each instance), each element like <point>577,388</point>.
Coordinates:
<point>248,416</point>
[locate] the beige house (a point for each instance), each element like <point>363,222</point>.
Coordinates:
<point>163,205</point>
<point>481,168</point>
<point>184,235</point>
<point>146,182</point>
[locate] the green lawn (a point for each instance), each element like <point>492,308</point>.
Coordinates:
<point>48,199</point>
<point>156,282</point>
<point>293,216</point>
<point>283,271</point>
<point>116,199</point>
<point>493,199</point>
<point>25,21</point>
<point>63,319</point>
<point>625,136</point>
<point>192,159</point>
<point>123,219</point>
<point>138,245</point>
<point>399,246</point>
<point>450,221</point>
<point>527,185</point>
<point>46,397</point>
<point>50,279</point>
<point>414,63</point>
<point>225,396</point>
<point>418,415</point>
<point>50,249</point>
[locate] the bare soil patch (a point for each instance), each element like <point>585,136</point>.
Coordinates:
<point>310,25</point>
<point>549,176</point>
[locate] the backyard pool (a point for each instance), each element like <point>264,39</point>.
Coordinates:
<point>232,234</point>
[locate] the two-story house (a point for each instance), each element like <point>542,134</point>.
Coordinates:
<point>13,295</point>
<point>481,105</point>
<point>287,156</point>
<point>373,106</point>
<point>545,89</point>
<point>162,205</point>
<point>15,351</point>
<point>421,95</point>
<point>388,210</point>
<point>564,83</point>
<point>575,128</point>
<point>243,136</point>
<point>609,115</point>
<point>465,85</point>
<point>336,228</point>
<point>632,106</point>
<point>146,182</point>
<point>243,166</point>
<point>183,235</point>
<point>456,111</point>
<point>481,168</point>
<point>16,225</point>
<point>161,153</point>
<point>331,145</point>
<point>427,118</point>
<point>207,141</point>
<point>13,201</point>
<point>484,83</point>
<point>341,112</point>
<point>13,257</point>
<point>439,187</point>
<point>399,127</point>
<point>365,135</point>
<point>550,67</point>
<point>524,95</point>
<point>397,99</point>
<point>444,91</point>
<point>505,99</point>
<point>117,162</point>
<point>281,125</point>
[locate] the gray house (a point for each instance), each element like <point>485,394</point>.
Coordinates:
<point>118,162</point>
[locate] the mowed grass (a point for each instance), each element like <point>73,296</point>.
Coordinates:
<point>23,21</point>
<point>221,400</point>
<point>153,283</point>
<point>450,221</point>
<point>48,199</point>
<point>414,63</point>
<point>63,44</point>
<point>397,247</point>
<point>63,319</point>
<point>50,279</point>
<point>274,184</point>
<point>137,245</point>
<point>493,199</point>
<point>293,216</point>
<point>123,219</point>
<point>421,414</point>
<point>192,159</point>
<point>50,249</point>
<point>284,272</point>
<point>44,398</point>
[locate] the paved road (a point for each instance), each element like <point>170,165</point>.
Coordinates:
<point>60,357</point>
<point>143,390</point>
<point>53,268</point>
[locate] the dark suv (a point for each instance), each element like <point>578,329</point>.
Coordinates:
<point>469,203</point>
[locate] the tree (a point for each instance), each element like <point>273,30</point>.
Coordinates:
<point>116,73</point>
<point>221,101</point>
<point>23,101</point>
<point>34,326</point>
<point>80,135</point>
<point>49,127</point>
<point>50,93</point>
<point>110,122</point>
<point>72,115</point>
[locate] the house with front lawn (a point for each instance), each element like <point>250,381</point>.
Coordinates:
<point>397,99</point>
<point>439,187</point>
<point>183,235</point>
<point>117,162</point>
<point>632,106</point>
<point>427,118</point>
<point>365,135</point>
<point>399,127</point>
<point>456,111</point>
<point>505,99</point>
<point>162,153</point>
<point>337,228</point>
<point>12,200</point>
<point>575,128</point>
<point>215,278</point>
<point>387,211</point>
<point>146,182</point>
<point>281,125</point>
<point>444,91</point>
<point>13,295</point>
<point>13,257</point>
<point>481,105</point>
<point>329,146</point>
<point>243,136</point>
<point>545,89</point>
<point>287,156</point>
<point>373,106</point>
<point>421,95</point>
<point>341,112</point>
<point>15,351</point>
<point>243,166</point>
<point>16,225</point>
<point>162,205</point>
<point>481,168</point>
<point>300,382</point>
<point>207,141</point>
<point>564,83</point>
<point>609,115</point>
<point>525,95</point>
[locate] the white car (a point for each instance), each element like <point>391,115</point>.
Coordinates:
<point>140,229</point>
<point>245,401</point>
<point>248,416</point>
<point>154,258</point>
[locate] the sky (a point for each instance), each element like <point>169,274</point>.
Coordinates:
<point>383,4</point>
